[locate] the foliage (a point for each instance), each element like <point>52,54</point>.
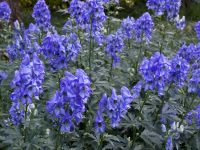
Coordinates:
<point>99,82</point>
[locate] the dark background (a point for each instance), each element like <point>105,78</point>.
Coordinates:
<point>22,9</point>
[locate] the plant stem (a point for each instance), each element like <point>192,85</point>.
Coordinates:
<point>145,100</point>
<point>139,56</point>
<point>25,117</point>
<point>108,25</point>
<point>90,48</point>
<point>100,142</point>
<point>57,141</point>
<point>111,68</point>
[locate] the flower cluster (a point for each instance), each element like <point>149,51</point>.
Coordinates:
<point>114,107</point>
<point>5,11</point>
<point>72,46</point>
<point>42,15</point>
<point>54,51</point>
<point>24,41</point>
<point>27,84</point>
<point>114,46</point>
<point>143,28</point>
<point>194,116</point>
<point>197,29</point>
<point>127,28</point>
<point>190,52</point>
<point>158,6</point>
<point>173,133</point>
<point>180,23</point>
<point>179,71</point>
<point>68,104</point>
<point>137,89</point>
<point>171,7</point>
<point>155,72</point>
<point>75,10</point>
<point>59,50</point>
<point>89,16</point>
<point>194,82</point>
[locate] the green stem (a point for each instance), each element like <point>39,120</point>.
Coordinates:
<point>25,117</point>
<point>57,147</point>
<point>139,56</point>
<point>129,44</point>
<point>90,48</point>
<point>108,25</point>
<point>145,100</point>
<point>100,142</point>
<point>111,68</point>
<point>81,46</point>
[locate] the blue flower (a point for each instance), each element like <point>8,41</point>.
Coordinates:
<point>190,52</point>
<point>169,144</point>
<point>114,108</point>
<point>127,27</point>
<point>54,51</point>
<point>194,82</point>
<point>172,8</point>
<point>99,123</point>
<point>67,106</point>
<point>5,11</point>
<point>24,41</point>
<point>89,16</point>
<point>17,113</point>
<point>194,116</point>
<point>158,6</point>
<point>137,89</point>
<point>180,23</point>
<point>155,72</point>
<point>60,50</point>
<point>143,28</point>
<point>197,29</point>
<point>179,71</point>
<point>72,46</point>
<point>114,46</point>
<point>27,84</point>
<point>42,15</point>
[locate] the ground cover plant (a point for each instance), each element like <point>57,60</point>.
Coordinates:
<point>100,83</point>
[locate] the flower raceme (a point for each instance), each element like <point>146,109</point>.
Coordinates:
<point>27,85</point>
<point>24,41</point>
<point>155,72</point>
<point>67,106</point>
<point>178,73</point>
<point>59,50</point>
<point>197,29</point>
<point>5,11</point>
<point>127,28</point>
<point>114,46</point>
<point>114,108</point>
<point>158,6</point>
<point>171,7</point>
<point>42,15</point>
<point>194,116</point>
<point>143,28</point>
<point>89,16</point>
